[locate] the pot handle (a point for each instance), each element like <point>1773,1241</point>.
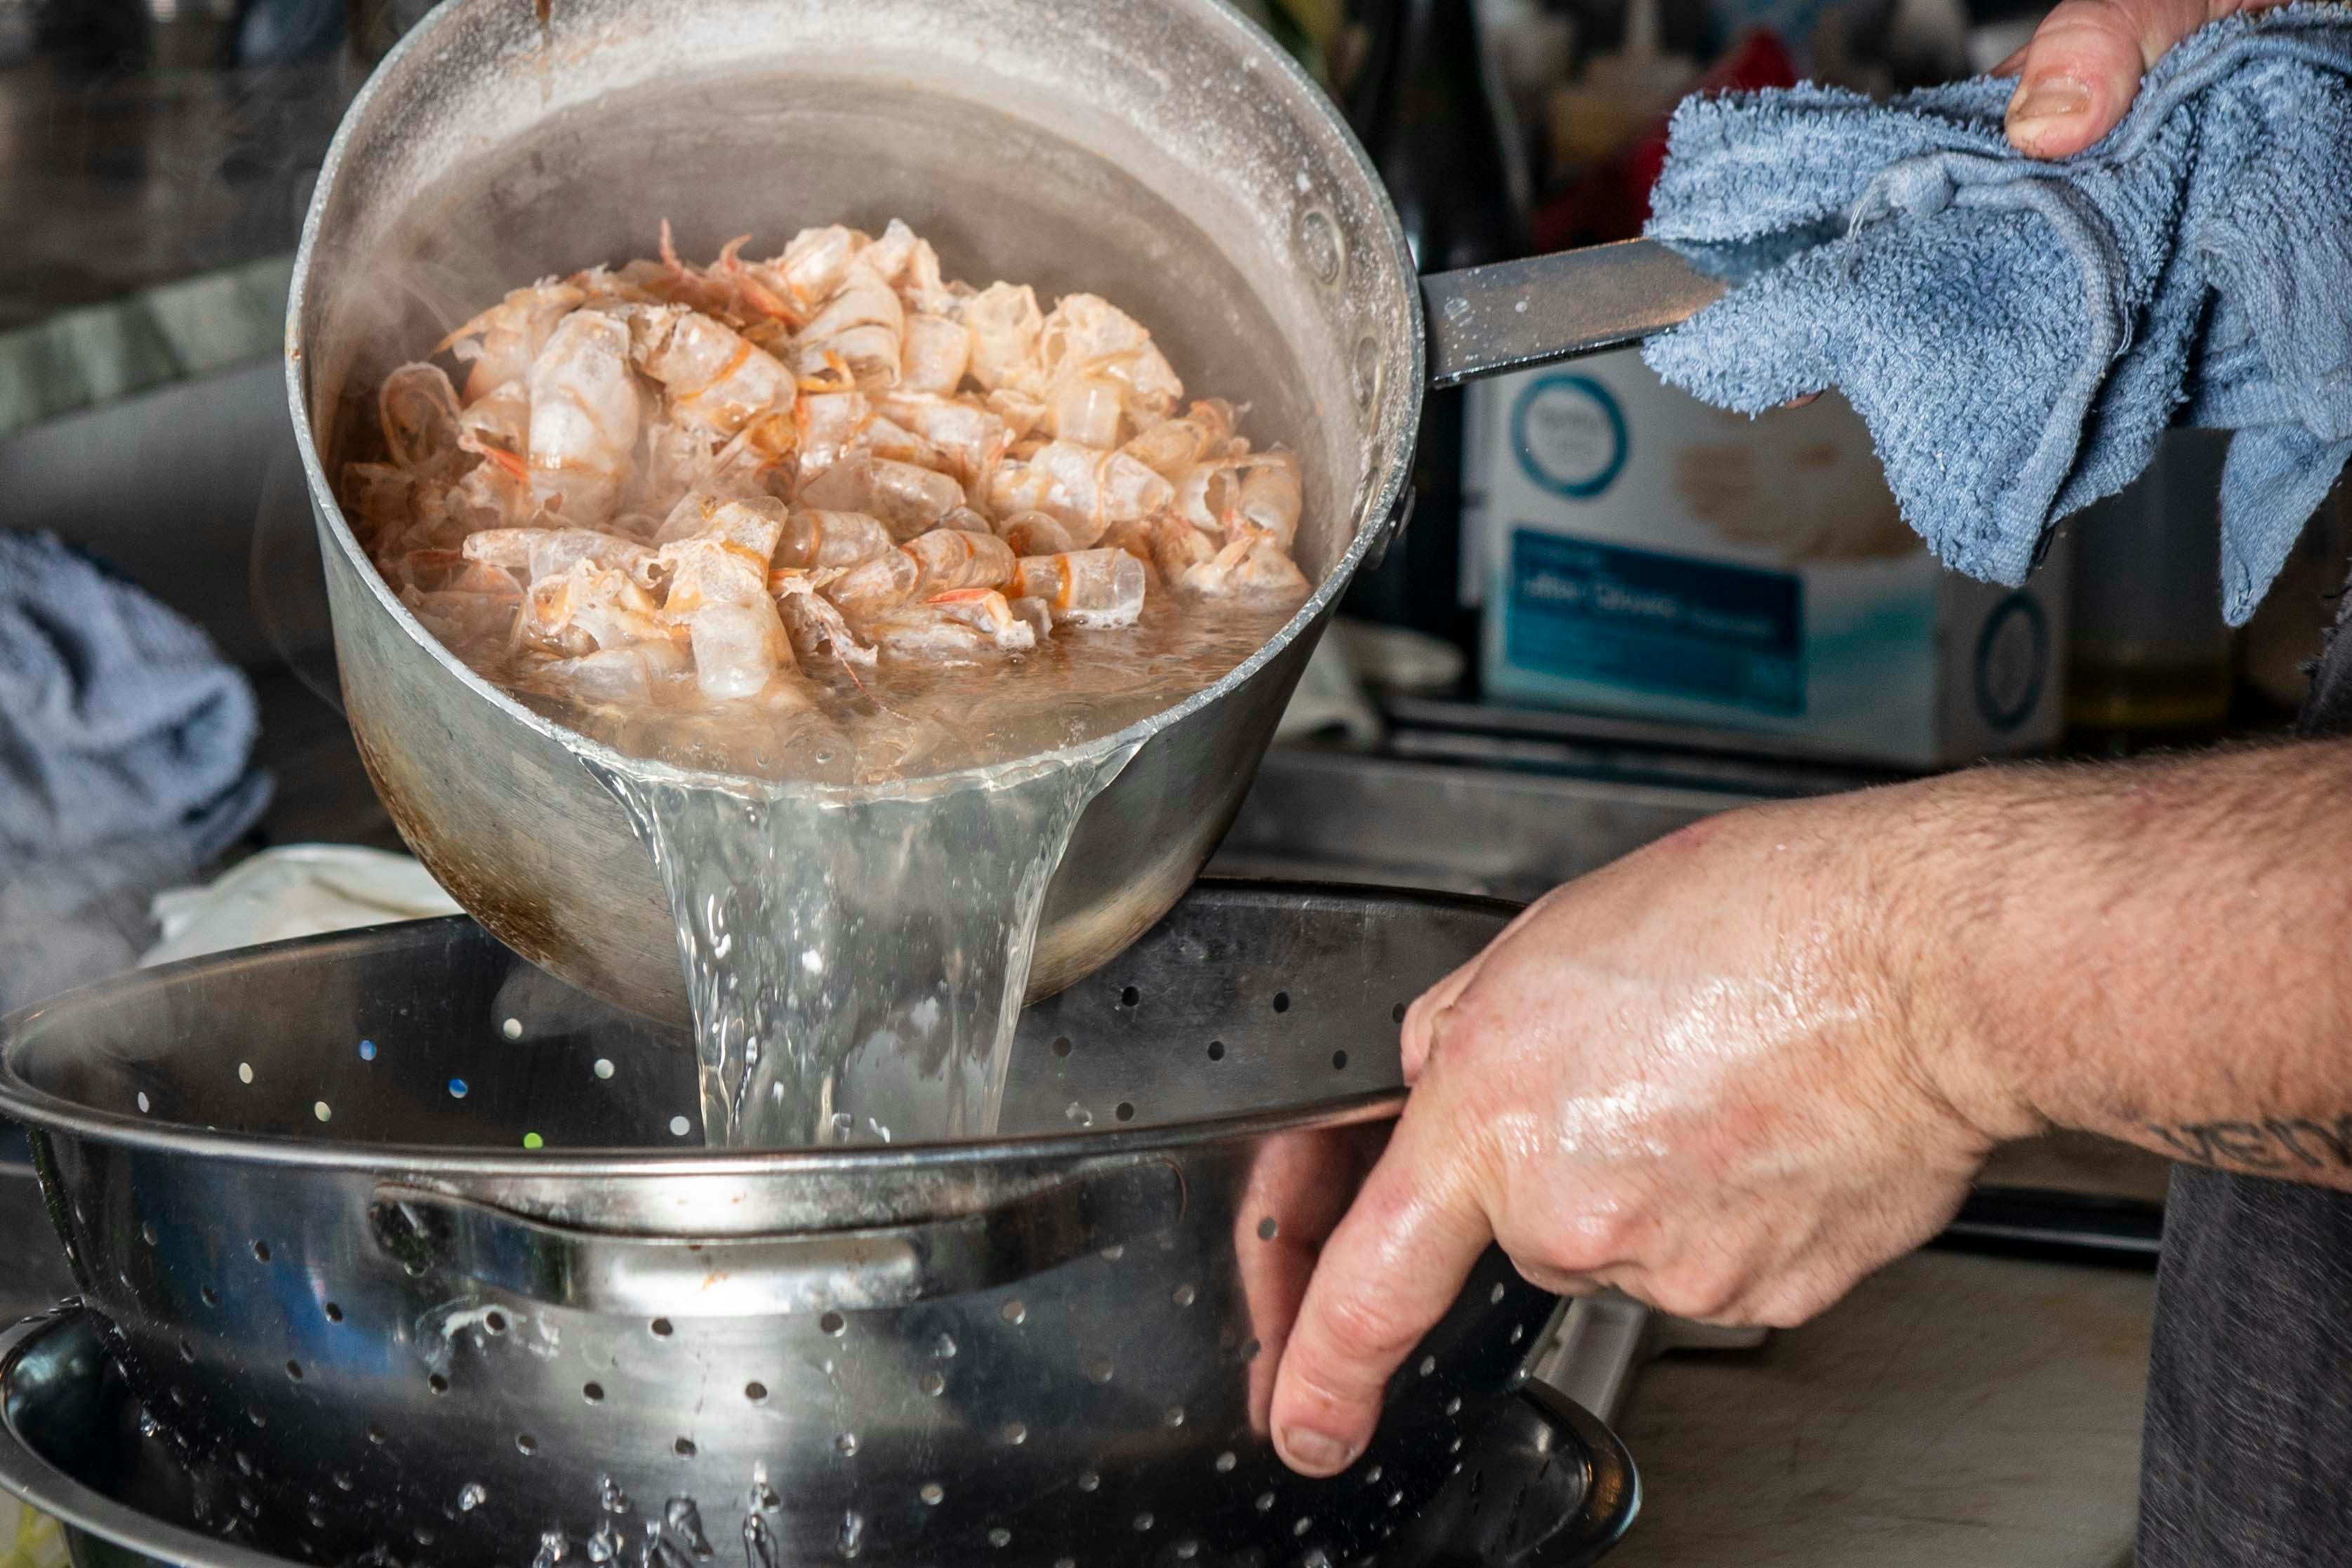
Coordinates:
<point>755,1276</point>
<point>1513,315</point>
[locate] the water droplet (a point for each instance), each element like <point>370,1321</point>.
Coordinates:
<point>683,1520</point>
<point>603,1066</point>
<point>610,1497</point>
<point>934,1384</point>
<point>1013,1312</point>
<point>842,1123</point>
<point>1078,1115</point>
<point>1186,1295</point>
<point>606,1544</point>
<point>853,1533</point>
<point>847,1443</point>
<point>759,1544</point>
<point>472,1497</point>
<point>1518,1332</point>
<point>1015,1433</point>
<point>944,1346</point>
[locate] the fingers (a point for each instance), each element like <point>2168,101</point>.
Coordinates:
<point>2083,64</point>
<point>1386,1277</point>
<point>1421,1020</point>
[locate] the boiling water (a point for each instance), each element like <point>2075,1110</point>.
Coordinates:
<point>857,964</point>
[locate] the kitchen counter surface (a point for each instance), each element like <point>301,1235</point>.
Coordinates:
<point>1954,1411</point>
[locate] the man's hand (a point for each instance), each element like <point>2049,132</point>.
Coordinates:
<point>1695,1076</point>
<point>2080,72</point>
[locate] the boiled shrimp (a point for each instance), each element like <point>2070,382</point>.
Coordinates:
<point>503,342</point>
<point>714,378</point>
<point>860,325</point>
<point>585,409</point>
<point>1094,588</point>
<point>1252,566</point>
<point>942,560</point>
<point>1003,321</point>
<point>1170,447</point>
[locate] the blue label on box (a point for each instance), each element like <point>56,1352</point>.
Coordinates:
<point>1657,622</point>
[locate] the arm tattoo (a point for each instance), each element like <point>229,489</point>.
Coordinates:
<point>2273,1144</point>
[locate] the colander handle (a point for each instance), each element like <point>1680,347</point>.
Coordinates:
<point>757,1276</point>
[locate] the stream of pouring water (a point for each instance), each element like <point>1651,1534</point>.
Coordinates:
<point>857,961</point>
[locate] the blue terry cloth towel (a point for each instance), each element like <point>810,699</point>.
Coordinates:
<point>125,751</point>
<point>2017,333</point>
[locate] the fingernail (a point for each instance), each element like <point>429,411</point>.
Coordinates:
<point>1312,1451</point>
<point>2041,105</point>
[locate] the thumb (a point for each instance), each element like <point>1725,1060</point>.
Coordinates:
<point>1386,1277</point>
<point>2079,74</point>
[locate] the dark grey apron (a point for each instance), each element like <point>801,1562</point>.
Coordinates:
<point>2247,1454</point>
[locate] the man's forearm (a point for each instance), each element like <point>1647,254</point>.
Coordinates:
<point>2158,951</point>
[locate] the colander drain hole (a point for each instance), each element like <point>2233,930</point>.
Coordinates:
<point>261,1252</point>
<point>932,1493</point>
<point>1015,1433</point>
<point>334,1312</point>
<point>1216,1050</point>
<point>1428,1365</point>
<point>438,1384</point>
<point>1062,1046</point>
<point>1013,1312</point>
<point>1124,1111</point>
<point>660,1327</point>
<point>147,1234</point>
<point>211,1297</point>
<point>525,1443</point>
<point>1339,1061</point>
<point>1282,1001</point>
<point>684,1448</point>
<point>832,1323</point>
<point>1142,1521</point>
<point>1130,997</point>
<point>934,1384</point>
<point>495,1320</point>
<point>755,1391</point>
<point>1268,1228</point>
<point>1000,1537</point>
<point>593,1392</point>
<point>294,1370</point>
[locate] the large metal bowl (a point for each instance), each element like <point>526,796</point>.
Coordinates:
<point>1167,155</point>
<point>411,1246</point>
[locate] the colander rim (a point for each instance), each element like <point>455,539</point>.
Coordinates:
<point>43,1112</point>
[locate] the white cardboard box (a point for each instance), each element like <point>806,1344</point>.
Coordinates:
<point>1640,553</point>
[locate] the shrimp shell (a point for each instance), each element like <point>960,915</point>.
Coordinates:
<point>585,410</point>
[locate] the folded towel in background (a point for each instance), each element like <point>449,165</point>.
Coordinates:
<point>125,764</point>
<point>2019,333</point>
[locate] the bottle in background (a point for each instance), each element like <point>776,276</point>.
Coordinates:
<point>1425,101</point>
<point>2150,652</point>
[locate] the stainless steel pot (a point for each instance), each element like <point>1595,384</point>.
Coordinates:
<point>387,1230</point>
<point>1165,155</point>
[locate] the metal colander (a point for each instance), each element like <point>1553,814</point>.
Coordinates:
<point>418,1247</point>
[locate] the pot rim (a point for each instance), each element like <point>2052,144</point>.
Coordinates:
<point>1377,514</point>
<point>44,1113</point>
